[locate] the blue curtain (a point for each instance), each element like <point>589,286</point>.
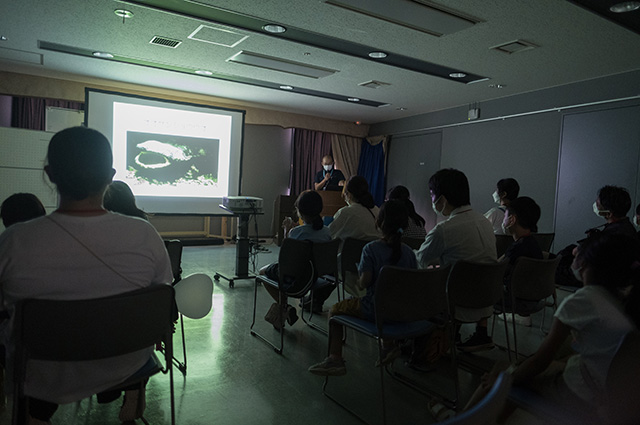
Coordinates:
<point>371,167</point>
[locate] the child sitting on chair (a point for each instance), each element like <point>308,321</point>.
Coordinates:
<point>392,220</point>
<point>308,207</point>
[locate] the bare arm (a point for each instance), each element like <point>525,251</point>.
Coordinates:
<point>537,363</point>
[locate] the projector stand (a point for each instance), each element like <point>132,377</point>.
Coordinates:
<point>242,249</point>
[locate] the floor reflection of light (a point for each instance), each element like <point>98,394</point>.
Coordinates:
<point>217,315</point>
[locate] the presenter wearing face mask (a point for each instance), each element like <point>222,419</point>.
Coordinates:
<point>464,235</point>
<point>329,178</point>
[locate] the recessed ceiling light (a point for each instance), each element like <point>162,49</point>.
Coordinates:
<point>123,13</point>
<point>286,87</point>
<point>104,55</point>
<point>274,28</point>
<point>457,75</point>
<point>353,99</point>
<point>377,55</point>
<point>3,38</point>
<point>626,6</point>
<point>401,109</point>
<point>497,86</point>
<point>204,72</point>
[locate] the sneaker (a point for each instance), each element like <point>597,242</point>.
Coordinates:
<point>476,343</point>
<point>292,315</point>
<point>133,406</point>
<point>520,320</point>
<point>329,367</point>
<point>388,356</point>
<point>275,316</point>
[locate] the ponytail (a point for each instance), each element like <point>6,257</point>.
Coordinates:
<point>317,223</point>
<point>395,242</point>
<point>392,220</point>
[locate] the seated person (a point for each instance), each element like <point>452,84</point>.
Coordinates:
<point>595,319</point>
<point>520,220</point>
<point>506,191</point>
<point>416,222</point>
<point>308,207</point>
<point>356,220</point>
<point>464,235</point>
<point>612,204</point>
<point>82,251</point>
<point>119,198</point>
<point>389,250</point>
<point>21,207</point>
<point>329,178</point>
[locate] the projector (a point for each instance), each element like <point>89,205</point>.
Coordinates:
<point>242,203</point>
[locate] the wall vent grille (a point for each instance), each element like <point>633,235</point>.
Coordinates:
<point>166,42</point>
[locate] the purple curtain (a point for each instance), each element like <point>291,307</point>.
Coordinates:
<point>308,149</point>
<point>29,112</point>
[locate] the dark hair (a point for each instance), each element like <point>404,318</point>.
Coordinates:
<point>615,199</point>
<point>309,204</point>
<point>401,193</point>
<point>614,259</point>
<point>452,184</point>
<point>527,212</point>
<point>119,198</point>
<point>79,162</point>
<point>393,218</point>
<point>21,207</point>
<point>510,187</point>
<point>358,187</point>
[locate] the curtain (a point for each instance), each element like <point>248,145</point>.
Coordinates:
<point>30,112</point>
<point>308,149</point>
<point>346,153</point>
<point>372,165</point>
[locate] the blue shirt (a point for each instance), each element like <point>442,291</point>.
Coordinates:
<point>306,233</point>
<point>375,255</point>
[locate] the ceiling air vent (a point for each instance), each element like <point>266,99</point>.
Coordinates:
<point>373,84</point>
<point>164,41</point>
<point>516,46</point>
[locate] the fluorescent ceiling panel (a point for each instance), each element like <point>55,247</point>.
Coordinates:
<point>219,36</point>
<point>20,56</point>
<point>410,14</point>
<point>277,64</point>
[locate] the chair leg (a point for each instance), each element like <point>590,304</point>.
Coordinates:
<point>253,321</point>
<point>506,334</point>
<point>384,407</point>
<point>515,336</point>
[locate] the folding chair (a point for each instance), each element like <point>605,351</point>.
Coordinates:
<point>325,263</point>
<point>474,286</point>
<point>296,276</point>
<point>174,249</point>
<point>93,329</point>
<point>532,280</point>
<point>348,259</point>
<point>545,240</point>
<point>486,412</point>
<point>405,300</point>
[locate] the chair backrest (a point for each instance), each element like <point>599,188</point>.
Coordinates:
<point>503,242</point>
<point>414,243</point>
<point>325,257</point>
<point>533,279</point>
<point>623,382</point>
<point>475,285</point>
<point>350,255</point>
<point>406,295</point>
<point>544,240</point>
<point>91,329</point>
<point>489,408</point>
<point>174,249</point>
<point>295,267</point>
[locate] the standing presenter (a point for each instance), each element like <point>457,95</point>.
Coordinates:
<point>329,178</point>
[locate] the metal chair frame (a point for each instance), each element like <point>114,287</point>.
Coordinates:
<point>174,249</point>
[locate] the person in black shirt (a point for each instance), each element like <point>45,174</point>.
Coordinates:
<point>329,178</point>
<point>520,220</point>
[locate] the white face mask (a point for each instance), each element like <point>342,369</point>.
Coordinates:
<point>327,167</point>
<point>597,211</point>
<point>496,197</point>
<point>435,209</point>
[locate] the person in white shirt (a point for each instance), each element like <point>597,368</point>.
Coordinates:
<point>80,251</point>
<point>358,219</point>
<point>464,235</point>
<point>506,191</point>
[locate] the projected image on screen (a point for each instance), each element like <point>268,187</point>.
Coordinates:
<point>160,159</point>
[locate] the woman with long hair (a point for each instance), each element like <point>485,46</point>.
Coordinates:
<point>416,222</point>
